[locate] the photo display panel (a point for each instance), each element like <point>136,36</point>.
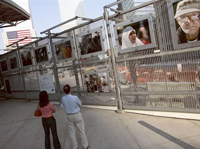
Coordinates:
<point>41,54</point>
<point>90,43</point>
<point>26,58</point>
<point>64,50</point>
<point>135,35</point>
<point>97,81</point>
<point>13,62</point>
<point>184,17</point>
<point>4,65</point>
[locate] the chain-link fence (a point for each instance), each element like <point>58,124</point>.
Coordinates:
<point>154,74</point>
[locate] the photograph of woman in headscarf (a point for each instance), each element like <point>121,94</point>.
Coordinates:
<point>134,34</point>
<point>129,38</point>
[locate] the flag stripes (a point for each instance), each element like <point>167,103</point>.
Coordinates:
<point>14,36</point>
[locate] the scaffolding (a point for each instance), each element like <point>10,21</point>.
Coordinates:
<point>158,75</point>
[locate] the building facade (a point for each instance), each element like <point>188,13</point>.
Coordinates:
<point>68,10</point>
<point>134,14</point>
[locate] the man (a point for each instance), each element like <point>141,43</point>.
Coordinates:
<point>72,104</point>
<point>187,16</point>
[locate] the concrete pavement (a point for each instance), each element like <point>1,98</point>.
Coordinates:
<point>105,129</point>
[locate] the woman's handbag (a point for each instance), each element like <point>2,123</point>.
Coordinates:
<point>37,112</point>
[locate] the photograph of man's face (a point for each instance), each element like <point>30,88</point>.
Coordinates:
<point>26,58</point>
<point>90,43</point>
<point>135,34</point>
<point>41,55</point>
<point>63,50</point>
<point>13,63</point>
<point>4,66</point>
<point>187,14</point>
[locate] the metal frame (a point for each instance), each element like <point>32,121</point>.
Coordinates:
<point>47,51</point>
<point>24,52</point>
<point>72,49</point>
<point>172,20</point>
<point>99,29</point>
<point>97,72</point>
<point>4,59</point>
<point>14,55</point>
<point>149,18</point>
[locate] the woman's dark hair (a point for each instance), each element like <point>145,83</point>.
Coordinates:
<point>43,99</point>
<point>66,89</point>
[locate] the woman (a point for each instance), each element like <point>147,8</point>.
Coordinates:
<point>48,121</point>
<point>129,38</point>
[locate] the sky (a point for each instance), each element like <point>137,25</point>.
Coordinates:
<point>45,14</point>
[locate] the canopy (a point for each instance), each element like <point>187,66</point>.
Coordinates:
<point>11,14</point>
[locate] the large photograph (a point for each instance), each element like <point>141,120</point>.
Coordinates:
<point>4,65</point>
<point>132,35</point>
<point>186,17</point>
<point>41,54</point>
<point>96,81</point>
<point>90,43</point>
<point>64,50</point>
<point>187,14</point>
<point>135,35</point>
<point>26,58</point>
<point>13,63</point>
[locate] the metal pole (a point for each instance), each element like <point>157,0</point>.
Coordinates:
<point>17,42</point>
<point>139,6</point>
<point>22,72</point>
<point>58,90</point>
<point>112,4</point>
<point>120,106</point>
<point>75,66</point>
<point>47,30</point>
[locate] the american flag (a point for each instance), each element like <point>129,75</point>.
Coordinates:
<point>14,36</point>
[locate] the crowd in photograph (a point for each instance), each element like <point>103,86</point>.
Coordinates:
<point>95,83</point>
